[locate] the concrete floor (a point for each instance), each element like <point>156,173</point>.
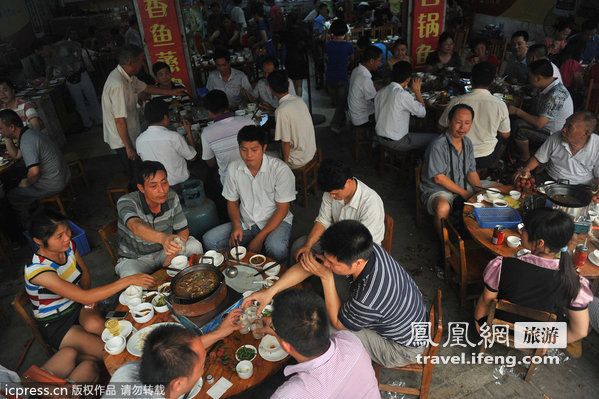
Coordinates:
<point>416,248</point>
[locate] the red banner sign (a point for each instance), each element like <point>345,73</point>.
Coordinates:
<point>162,36</point>
<point>427,26</point>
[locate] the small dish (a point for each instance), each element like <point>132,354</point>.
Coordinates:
<point>159,308</point>
<point>248,347</point>
<point>164,288</point>
<point>126,328</point>
<point>212,257</point>
<point>513,241</point>
<point>147,311</point>
<point>238,252</point>
<point>257,260</point>
<point>515,194</point>
<point>115,345</point>
<point>240,112</point>
<point>271,272</point>
<point>244,369</point>
<point>499,203</point>
<point>594,257</point>
<point>493,194</point>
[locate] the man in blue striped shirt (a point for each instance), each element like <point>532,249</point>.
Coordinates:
<point>384,302</point>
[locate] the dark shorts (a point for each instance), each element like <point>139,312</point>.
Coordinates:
<point>527,132</point>
<point>55,330</point>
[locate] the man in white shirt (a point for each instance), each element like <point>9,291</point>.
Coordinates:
<point>160,144</point>
<point>267,100</point>
<point>393,107</point>
<point>259,189</point>
<point>539,52</point>
<point>345,198</point>
<point>237,15</point>
<point>492,117</point>
<point>294,123</point>
<point>233,82</point>
<point>570,153</point>
<point>361,87</point>
<point>119,106</point>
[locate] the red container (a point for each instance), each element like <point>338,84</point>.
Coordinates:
<point>580,255</point>
<point>498,235</point>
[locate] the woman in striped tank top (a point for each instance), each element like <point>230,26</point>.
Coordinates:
<point>58,285</point>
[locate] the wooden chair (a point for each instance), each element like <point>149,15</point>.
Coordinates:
<point>108,231</point>
<point>77,171</point>
<point>362,137</point>
<point>19,304</point>
<point>119,185</point>
<point>523,312</point>
<point>592,88</point>
<point>59,199</point>
<point>400,161</point>
<point>306,177</point>
<point>460,38</point>
<point>417,180</point>
<point>436,320</point>
<point>357,33</point>
<point>498,47</point>
<point>466,259</point>
<point>381,32</point>
<point>388,234</point>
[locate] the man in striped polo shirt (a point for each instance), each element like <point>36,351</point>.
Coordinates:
<point>149,222</point>
<point>384,302</point>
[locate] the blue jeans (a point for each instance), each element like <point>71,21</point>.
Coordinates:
<point>276,244</point>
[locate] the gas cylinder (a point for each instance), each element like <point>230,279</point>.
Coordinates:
<point>199,210</point>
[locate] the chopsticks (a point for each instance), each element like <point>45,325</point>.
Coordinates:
<point>490,189</point>
<point>268,268</point>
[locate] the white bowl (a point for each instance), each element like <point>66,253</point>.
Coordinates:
<point>270,343</point>
<point>257,260</point>
<point>252,107</point>
<point>272,272</point>
<point>493,194</point>
<point>142,307</point>
<point>242,252</point>
<point>159,309</point>
<point>513,241</point>
<point>240,112</point>
<point>217,257</point>
<point>131,303</point>
<point>499,203</point>
<point>179,262</point>
<point>244,369</point>
<point>133,291</point>
<point>249,347</point>
<point>115,345</point>
<point>515,194</point>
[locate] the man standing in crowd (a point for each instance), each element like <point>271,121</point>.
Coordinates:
<point>550,109</point>
<point>230,80</point>
<point>294,124</point>
<point>64,60</point>
<point>259,189</point>
<point>119,106</point>
<point>47,171</point>
<point>361,88</point>
<point>379,306</point>
<point>393,106</point>
<point>152,226</point>
<point>492,117</point>
<point>160,144</point>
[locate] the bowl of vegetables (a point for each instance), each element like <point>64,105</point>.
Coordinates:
<point>267,311</point>
<point>159,303</point>
<point>245,352</point>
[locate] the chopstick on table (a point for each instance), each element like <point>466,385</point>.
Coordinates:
<point>268,268</point>
<point>490,189</point>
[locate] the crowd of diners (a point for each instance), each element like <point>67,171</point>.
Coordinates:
<point>369,302</point>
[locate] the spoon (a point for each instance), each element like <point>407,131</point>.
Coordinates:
<point>474,204</point>
<point>231,272</point>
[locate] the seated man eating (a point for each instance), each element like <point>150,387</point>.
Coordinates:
<point>258,189</point>
<point>149,222</point>
<point>329,365</point>
<point>384,301</point>
<point>449,166</point>
<point>570,154</point>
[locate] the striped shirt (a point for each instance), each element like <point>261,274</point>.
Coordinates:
<point>24,109</point>
<point>183,100</point>
<point>45,303</point>
<point>220,141</point>
<point>169,220</point>
<point>384,299</point>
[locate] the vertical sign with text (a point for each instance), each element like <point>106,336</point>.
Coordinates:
<point>427,26</point>
<point>162,36</point>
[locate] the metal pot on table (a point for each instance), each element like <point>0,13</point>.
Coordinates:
<point>185,303</point>
<point>571,199</point>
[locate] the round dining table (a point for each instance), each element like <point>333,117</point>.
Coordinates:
<point>484,237</point>
<point>220,360</point>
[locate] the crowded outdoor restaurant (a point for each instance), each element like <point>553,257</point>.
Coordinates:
<point>299,199</point>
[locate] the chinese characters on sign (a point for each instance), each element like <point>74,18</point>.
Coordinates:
<point>162,36</point>
<point>427,26</point>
